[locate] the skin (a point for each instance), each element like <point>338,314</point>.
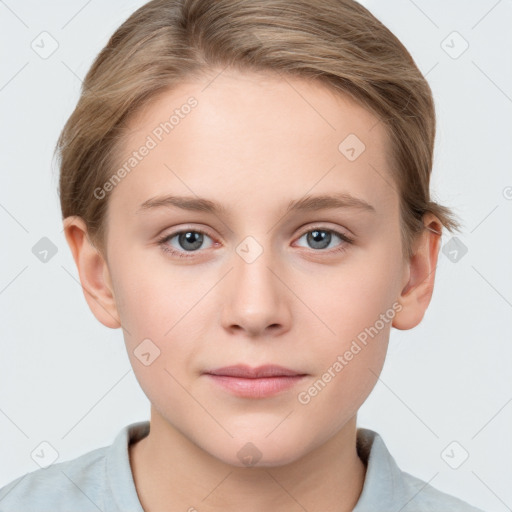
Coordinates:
<point>254,143</point>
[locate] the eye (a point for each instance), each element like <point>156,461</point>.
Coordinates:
<point>186,241</point>
<point>321,239</point>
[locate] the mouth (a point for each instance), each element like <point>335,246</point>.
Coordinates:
<point>246,372</point>
<point>260,382</point>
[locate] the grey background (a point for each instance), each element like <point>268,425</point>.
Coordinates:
<point>66,379</point>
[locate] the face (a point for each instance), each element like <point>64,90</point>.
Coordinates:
<point>271,275</point>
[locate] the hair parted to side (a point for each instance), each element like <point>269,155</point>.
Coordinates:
<point>338,43</point>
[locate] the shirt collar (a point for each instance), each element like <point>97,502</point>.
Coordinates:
<point>383,485</point>
<point>119,472</point>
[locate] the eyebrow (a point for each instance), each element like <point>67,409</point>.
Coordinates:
<point>307,203</point>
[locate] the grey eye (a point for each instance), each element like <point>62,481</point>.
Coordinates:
<point>319,238</point>
<point>188,241</point>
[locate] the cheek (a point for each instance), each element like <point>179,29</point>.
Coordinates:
<point>162,309</point>
<point>152,297</point>
<point>347,368</point>
<point>352,298</point>
<point>355,306</point>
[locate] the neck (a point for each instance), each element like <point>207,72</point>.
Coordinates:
<point>172,473</point>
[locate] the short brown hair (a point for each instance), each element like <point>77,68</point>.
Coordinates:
<point>339,43</point>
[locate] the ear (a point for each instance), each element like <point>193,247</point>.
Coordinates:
<point>418,284</point>
<point>93,271</point>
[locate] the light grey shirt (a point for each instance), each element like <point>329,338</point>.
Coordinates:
<point>101,480</point>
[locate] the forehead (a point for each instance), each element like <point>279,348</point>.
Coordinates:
<point>236,136</point>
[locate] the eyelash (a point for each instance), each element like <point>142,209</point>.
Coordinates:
<point>162,242</point>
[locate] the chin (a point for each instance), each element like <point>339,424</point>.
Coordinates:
<point>259,451</point>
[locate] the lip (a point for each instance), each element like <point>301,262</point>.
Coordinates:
<point>247,372</point>
<point>260,382</point>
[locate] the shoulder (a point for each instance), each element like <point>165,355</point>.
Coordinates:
<point>387,487</point>
<point>97,480</point>
<point>426,498</point>
<point>73,485</point>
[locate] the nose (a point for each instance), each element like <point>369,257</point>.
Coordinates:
<point>256,300</point>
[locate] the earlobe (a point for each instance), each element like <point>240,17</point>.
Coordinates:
<point>93,271</point>
<point>417,292</point>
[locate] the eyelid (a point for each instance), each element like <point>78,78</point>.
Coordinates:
<point>309,227</point>
<point>185,229</point>
<point>322,226</point>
